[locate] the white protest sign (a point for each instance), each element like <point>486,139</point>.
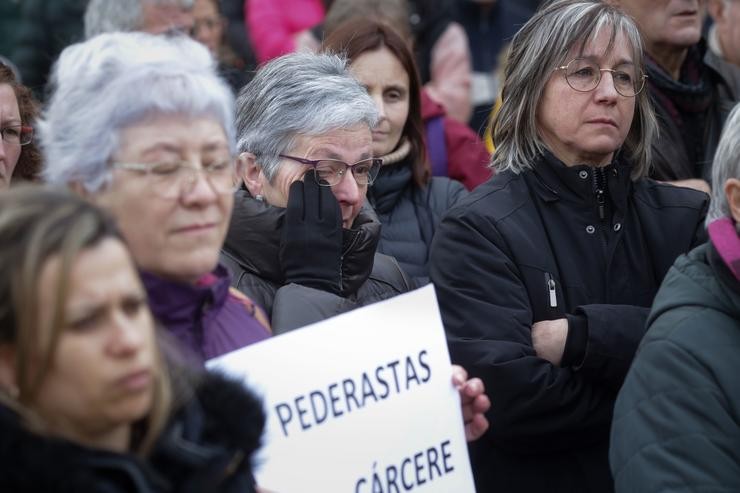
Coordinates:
<point>359,403</point>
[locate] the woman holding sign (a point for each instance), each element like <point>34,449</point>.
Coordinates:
<point>546,273</point>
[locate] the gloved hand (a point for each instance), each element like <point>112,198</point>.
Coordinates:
<point>311,238</point>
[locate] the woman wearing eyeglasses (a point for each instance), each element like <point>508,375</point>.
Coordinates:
<point>546,273</point>
<point>300,229</point>
<point>143,126</point>
<point>19,157</point>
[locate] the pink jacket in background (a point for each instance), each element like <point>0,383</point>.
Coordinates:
<point>273,24</point>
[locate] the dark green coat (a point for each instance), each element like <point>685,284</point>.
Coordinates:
<point>46,28</point>
<point>676,421</point>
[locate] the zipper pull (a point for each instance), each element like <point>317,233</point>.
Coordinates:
<point>550,282</point>
<point>600,201</point>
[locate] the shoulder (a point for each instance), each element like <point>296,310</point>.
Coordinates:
<point>387,272</point>
<point>493,201</point>
<point>657,196</point>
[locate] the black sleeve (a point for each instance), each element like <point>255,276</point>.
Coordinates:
<point>486,311</point>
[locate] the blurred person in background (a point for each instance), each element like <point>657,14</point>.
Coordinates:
<point>208,28</point>
<point>688,88</point>
<point>723,38</point>
<point>89,398</point>
<point>677,418</point>
<point>20,158</point>
<point>489,26</point>
<point>143,127</point>
<point>151,16</point>
<point>545,273</point>
<point>278,27</point>
<point>42,32</point>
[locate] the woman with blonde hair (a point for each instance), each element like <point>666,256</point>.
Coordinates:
<point>88,399</point>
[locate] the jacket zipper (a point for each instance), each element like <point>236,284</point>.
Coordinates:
<point>551,293</point>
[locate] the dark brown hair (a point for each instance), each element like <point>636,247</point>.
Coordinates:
<point>359,35</point>
<point>29,162</point>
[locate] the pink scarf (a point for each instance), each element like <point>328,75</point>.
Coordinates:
<point>726,240</point>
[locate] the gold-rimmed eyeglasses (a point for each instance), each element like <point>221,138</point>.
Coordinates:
<point>584,75</point>
<point>171,179</point>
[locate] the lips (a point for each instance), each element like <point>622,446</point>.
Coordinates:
<point>136,381</point>
<point>603,121</point>
<point>195,228</point>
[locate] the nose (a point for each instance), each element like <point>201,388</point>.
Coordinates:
<point>198,190</point>
<point>347,190</point>
<point>128,334</point>
<point>378,99</point>
<point>606,90</point>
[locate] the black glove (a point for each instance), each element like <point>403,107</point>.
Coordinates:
<point>311,239</point>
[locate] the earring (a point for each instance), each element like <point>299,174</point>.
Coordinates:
<point>259,197</point>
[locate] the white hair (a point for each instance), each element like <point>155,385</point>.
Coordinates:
<point>115,80</point>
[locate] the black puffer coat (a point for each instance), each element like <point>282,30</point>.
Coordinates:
<point>410,214</point>
<point>251,253</point>
<point>207,446</point>
<point>530,247</point>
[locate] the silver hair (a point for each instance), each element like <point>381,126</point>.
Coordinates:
<point>298,94</point>
<point>726,165</point>
<point>540,46</point>
<point>107,16</point>
<point>115,80</point>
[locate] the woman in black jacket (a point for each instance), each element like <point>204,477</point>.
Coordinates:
<point>546,273</point>
<point>88,400</point>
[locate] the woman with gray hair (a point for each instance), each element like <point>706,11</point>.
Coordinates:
<point>546,273</point>
<point>303,114</point>
<point>676,418</point>
<point>143,126</point>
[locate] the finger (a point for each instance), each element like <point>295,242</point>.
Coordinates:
<point>296,207</point>
<point>459,376</point>
<point>329,209</point>
<point>473,387</point>
<point>476,428</point>
<point>311,193</point>
<point>481,404</point>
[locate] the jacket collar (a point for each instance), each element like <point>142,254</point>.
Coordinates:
<point>556,181</point>
<point>178,304</point>
<point>254,242</point>
<point>390,185</point>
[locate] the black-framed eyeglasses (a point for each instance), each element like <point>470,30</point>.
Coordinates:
<point>171,179</point>
<point>17,134</point>
<point>331,171</point>
<point>584,75</point>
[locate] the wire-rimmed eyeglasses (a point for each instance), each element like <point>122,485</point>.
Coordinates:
<point>170,179</point>
<point>331,171</point>
<point>17,134</point>
<point>584,75</point>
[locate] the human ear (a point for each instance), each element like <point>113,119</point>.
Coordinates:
<point>732,193</point>
<point>252,174</point>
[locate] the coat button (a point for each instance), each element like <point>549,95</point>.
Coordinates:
<point>617,226</point>
<point>583,174</point>
<point>590,229</point>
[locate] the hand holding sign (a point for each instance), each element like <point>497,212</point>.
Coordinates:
<point>363,402</point>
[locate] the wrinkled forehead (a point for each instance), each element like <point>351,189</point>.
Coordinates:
<point>602,42</point>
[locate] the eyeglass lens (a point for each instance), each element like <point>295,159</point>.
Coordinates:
<point>584,75</point>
